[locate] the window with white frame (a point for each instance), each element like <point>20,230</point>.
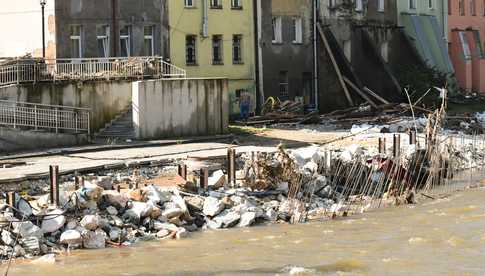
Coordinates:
<point>359,5</point>
<point>237,49</point>
<point>276,26</point>
<point>103,40</point>
<point>76,41</point>
<point>149,40</point>
<point>236,4</point>
<point>297,30</point>
<point>412,4</point>
<point>431,4</point>
<point>381,6</point>
<point>125,41</point>
<point>190,50</point>
<point>216,4</point>
<point>217,50</point>
<point>189,3</point>
<point>464,45</point>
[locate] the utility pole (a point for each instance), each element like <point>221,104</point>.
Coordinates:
<point>42,4</point>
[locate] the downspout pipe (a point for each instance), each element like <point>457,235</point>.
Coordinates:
<point>205,19</point>
<point>114,8</point>
<point>315,54</point>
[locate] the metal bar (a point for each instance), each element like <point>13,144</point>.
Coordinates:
<point>204,178</point>
<point>382,145</point>
<point>412,137</point>
<point>182,171</point>
<point>54,185</point>
<point>396,147</point>
<point>11,199</point>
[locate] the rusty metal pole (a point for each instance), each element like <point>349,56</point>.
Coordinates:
<point>396,150</point>
<point>412,137</point>
<point>182,171</point>
<point>204,178</point>
<point>54,184</point>
<point>11,199</point>
<point>382,145</point>
<point>231,166</point>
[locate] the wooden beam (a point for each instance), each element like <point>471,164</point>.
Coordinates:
<point>373,94</point>
<point>362,94</point>
<point>335,65</point>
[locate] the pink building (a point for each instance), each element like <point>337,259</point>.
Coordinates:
<point>466,25</point>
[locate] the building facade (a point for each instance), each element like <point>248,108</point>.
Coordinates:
<point>466,31</point>
<point>111,28</point>
<point>216,38</point>
<point>287,50</point>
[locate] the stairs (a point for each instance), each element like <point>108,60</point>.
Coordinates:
<point>119,130</point>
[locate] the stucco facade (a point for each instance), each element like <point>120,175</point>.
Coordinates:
<point>111,28</point>
<point>192,33</point>
<point>466,30</point>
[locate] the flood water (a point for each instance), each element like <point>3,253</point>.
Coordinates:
<point>440,237</point>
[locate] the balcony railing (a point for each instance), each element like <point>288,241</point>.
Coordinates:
<point>53,118</point>
<point>131,68</point>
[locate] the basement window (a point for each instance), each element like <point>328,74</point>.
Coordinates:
<point>216,4</point>
<point>103,41</point>
<point>237,49</point>
<point>125,41</point>
<point>276,26</point>
<point>297,30</point>
<point>190,50</point>
<point>217,50</point>
<point>76,41</point>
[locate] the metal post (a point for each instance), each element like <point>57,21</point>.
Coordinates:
<point>42,3</point>
<point>11,199</point>
<point>35,116</point>
<point>54,184</point>
<point>231,166</point>
<point>396,145</point>
<point>382,145</point>
<point>57,120</point>
<point>412,137</point>
<point>182,171</point>
<point>204,178</point>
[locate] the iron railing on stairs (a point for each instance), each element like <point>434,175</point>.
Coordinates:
<point>54,118</point>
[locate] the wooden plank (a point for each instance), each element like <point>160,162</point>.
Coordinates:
<point>362,94</point>
<point>373,94</point>
<point>335,65</point>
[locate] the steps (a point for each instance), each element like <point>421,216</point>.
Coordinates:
<point>119,130</point>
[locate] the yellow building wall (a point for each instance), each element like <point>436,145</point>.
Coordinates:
<point>225,22</point>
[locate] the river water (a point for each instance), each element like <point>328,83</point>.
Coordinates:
<point>439,237</point>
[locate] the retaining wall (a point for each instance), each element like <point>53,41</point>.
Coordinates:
<point>180,107</point>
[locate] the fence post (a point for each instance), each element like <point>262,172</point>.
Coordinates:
<point>412,137</point>
<point>382,145</point>
<point>18,73</point>
<point>35,117</point>
<point>54,184</point>
<point>57,120</point>
<point>204,178</point>
<point>397,145</point>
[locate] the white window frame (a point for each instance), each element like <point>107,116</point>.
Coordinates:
<point>73,37</point>
<point>277,30</point>
<point>216,4</point>
<point>412,5</point>
<point>236,4</point>
<point>127,38</point>
<point>431,4</point>
<point>381,6</point>
<point>149,37</point>
<point>359,5</point>
<point>297,23</point>
<point>189,3</point>
<point>105,39</point>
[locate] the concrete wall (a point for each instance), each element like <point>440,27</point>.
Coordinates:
<point>12,140</point>
<point>92,13</point>
<point>177,108</point>
<point>294,58</point>
<point>106,99</point>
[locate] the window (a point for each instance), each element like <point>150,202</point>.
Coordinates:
<point>276,24</point>
<point>148,40</point>
<point>381,6</point>
<point>478,44</point>
<point>237,49</point>
<point>216,4</point>
<point>359,5</point>
<point>189,3</point>
<point>190,50</point>
<point>76,41</point>
<point>464,45</point>
<point>103,40</point>
<point>431,4</point>
<point>217,50</point>
<point>473,8</point>
<point>461,7</point>
<point>236,4</point>
<point>412,4</point>
<point>284,84</point>
<point>297,30</point>
<point>125,41</point>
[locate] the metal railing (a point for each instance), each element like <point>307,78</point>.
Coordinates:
<point>31,71</point>
<point>53,118</point>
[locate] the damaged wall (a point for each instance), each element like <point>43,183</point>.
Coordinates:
<point>180,108</point>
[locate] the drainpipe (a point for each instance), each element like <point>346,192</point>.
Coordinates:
<point>205,19</point>
<point>114,8</point>
<point>258,54</point>
<point>315,56</point>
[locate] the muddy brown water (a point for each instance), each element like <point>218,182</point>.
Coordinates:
<point>440,237</point>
